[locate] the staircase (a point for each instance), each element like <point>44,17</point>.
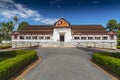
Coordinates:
<point>58,44</point>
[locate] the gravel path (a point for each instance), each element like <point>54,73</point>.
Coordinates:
<point>65,64</point>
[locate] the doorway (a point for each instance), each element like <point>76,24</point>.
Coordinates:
<point>62,37</point>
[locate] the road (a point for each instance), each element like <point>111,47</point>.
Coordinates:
<point>65,64</point>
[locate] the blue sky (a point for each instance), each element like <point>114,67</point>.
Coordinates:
<point>49,11</point>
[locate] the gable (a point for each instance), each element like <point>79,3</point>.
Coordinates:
<point>62,23</point>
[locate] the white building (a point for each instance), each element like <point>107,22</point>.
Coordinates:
<point>62,34</point>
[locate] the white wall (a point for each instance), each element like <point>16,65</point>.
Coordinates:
<point>58,31</point>
<point>68,38</point>
<point>6,41</point>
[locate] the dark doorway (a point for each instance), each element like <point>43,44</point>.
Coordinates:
<point>62,37</point>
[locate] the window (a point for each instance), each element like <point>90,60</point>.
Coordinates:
<point>76,38</point>
<point>105,38</point>
<point>97,38</point>
<point>47,37</point>
<point>90,38</point>
<point>21,37</point>
<point>28,37</point>
<point>41,37</point>
<point>34,37</point>
<point>83,38</point>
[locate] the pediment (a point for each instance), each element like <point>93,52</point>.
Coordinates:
<point>62,23</point>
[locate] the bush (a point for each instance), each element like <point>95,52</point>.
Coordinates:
<point>12,66</point>
<point>3,58</point>
<point>118,47</point>
<point>8,54</point>
<point>109,60</point>
<point>118,42</point>
<point>6,46</point>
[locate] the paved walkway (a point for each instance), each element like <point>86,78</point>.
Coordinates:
<point>65,64</point>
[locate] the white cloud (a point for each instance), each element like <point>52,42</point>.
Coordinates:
<point>9,9</point>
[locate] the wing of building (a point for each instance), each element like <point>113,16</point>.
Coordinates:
<point>62,34</point>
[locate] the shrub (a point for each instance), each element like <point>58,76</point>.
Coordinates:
<point>109,60</point>
<point>118,42</point>
<point>6,46</point>
<point>4,58</point>
<point>10,67</point>
<point>8,54</point>
<point>118,47</point>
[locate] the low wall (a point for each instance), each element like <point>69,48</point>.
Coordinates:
<point>65,44</point>
<point>6,41</point>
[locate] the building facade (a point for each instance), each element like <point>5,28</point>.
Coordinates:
<point>62,34</point>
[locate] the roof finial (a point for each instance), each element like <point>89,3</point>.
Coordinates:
<point>62,14</point>
<point>60,10</point>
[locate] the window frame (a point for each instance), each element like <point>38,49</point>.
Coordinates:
<point>83,38</point>
<point>76,38</point>
<point>21,37</point>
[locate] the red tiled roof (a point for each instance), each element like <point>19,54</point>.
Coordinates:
<point>89,32</point>
<point>15,33</point>
<point>35,32</point>
<point>38,27</point>
<point>76,29</point>
<point>87,27</point>
<point>112,32</point>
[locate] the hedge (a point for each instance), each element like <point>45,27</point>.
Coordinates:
<point>6,46</point>
<point>8,54</point>
<point>109,60</point>
<point>118,47</point>
<point>12,66</point>
<point>4,58</point>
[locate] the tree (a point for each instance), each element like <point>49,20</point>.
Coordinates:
<point>22,24</point>
<point>118,33</point>
<point>1,36</point>
<point>118,26</point>
<point>6,29</point>
<point>10,26</point>
<point>112,25</point>
<point>15,19</point>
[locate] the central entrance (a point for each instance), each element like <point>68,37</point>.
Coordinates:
<point>62,37</point>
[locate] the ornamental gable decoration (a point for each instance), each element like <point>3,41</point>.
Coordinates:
<point>62,23</point>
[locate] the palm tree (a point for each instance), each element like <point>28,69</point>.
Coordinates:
<point>15,19</point>
<point>10,26</point>
<point>1,33</point>
<point>6,29</point>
